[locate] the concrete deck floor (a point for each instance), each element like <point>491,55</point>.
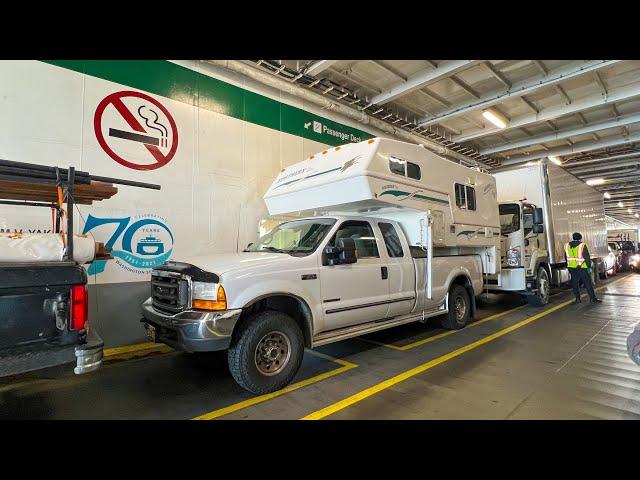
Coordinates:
<point>560,362</point>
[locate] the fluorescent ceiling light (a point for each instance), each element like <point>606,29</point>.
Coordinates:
<point>595,181</point>
<point>637,215</point>
<point>629,210</point>
<point>607,195</point>
<point>495,117</point>
<point>555,159</point>
<point>620,204</point>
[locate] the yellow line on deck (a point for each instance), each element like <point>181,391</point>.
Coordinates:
<point>438,336</point>
<point>138,349</point>
<point>345,366</point>
<point>358,397</point>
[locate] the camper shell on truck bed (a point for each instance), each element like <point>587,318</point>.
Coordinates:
<point>400,181</point>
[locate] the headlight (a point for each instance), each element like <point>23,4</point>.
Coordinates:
<point>208,296</point>
<point>513,257</point>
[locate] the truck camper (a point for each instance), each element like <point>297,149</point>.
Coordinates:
<point>389,233</point>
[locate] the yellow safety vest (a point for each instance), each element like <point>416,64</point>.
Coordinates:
<point>574,256</point>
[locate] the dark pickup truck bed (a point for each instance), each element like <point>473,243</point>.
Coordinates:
<point>37,327</point>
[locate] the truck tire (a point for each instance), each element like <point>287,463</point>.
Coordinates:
<point>541,297</point>
<point>266,352</point>
<point>459,309</point>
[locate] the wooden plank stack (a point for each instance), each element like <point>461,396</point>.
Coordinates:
<point>84,194</point>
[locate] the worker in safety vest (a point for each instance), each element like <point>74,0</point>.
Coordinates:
<point>576,254</point>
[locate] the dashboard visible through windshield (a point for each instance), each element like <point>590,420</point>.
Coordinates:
<point>296,237</point>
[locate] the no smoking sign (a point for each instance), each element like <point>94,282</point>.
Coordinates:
<point>136,130</point>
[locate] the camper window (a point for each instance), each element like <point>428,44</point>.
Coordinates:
<point>404,168</point>
<point>413,171</point>
<point>465,197</point>
<point>471,198</point>
<point>362,234</point>
<point>391,240</point>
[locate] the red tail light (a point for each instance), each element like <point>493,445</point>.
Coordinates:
<point>79,307</point>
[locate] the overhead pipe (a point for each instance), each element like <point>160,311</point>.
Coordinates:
<point>351,113</point>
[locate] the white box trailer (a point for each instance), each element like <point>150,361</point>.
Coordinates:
<point>541,206</point>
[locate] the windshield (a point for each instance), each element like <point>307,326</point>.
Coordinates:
<point>299,236</point>
<point>509,218</point>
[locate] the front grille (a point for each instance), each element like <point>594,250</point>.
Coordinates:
<point>169,293</point>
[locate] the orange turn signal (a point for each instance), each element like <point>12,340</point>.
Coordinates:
<point>219,304</point>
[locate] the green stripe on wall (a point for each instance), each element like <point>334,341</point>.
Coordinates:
<point>169,80</point>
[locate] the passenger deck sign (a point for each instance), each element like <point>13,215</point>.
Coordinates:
<point>136,130</point>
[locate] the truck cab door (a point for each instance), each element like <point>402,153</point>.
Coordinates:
<point>357,292</point>
<point>402,276</point>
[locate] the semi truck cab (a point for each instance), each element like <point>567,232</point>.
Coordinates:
<point>525,258</point>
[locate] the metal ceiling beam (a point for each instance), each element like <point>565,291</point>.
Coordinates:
<point>575,148</point>
<point>522,88</point>
<point>605,166</point>
<point>614,173</point>
<point>615,95</point>
<point>497,74</point>
<point>544,70</point>
<point>530,104</point>
<point>563,94</point>
<point>390,69</point>
<point>464,86</point>
<point>576,162</point>
<point>444,70</point>
<point>320,66</point>
<point>375,126</point>
<point>559,135</point>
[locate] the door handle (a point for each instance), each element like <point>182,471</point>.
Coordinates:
<point>385,272</point>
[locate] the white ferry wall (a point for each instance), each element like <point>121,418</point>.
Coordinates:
<point>356,179</point>
<point>211,197</point>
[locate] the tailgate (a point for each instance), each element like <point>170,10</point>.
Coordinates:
<point>29,295</point>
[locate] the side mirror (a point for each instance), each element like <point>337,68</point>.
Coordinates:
<point>538,217</point>
<point>347,249</point>
<point>537,228</point>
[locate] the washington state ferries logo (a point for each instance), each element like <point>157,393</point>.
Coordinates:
<point>138,243</point>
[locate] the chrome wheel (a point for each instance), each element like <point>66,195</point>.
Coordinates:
<point>272,353</point>
<point>544,287</point>
<point>461,308</point>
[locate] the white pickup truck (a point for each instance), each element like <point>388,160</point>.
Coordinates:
<point>390,233</point>
<point>306,283</point>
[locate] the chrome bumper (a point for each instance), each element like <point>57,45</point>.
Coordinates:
<point>191,330</point>
<point>89,356</point>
